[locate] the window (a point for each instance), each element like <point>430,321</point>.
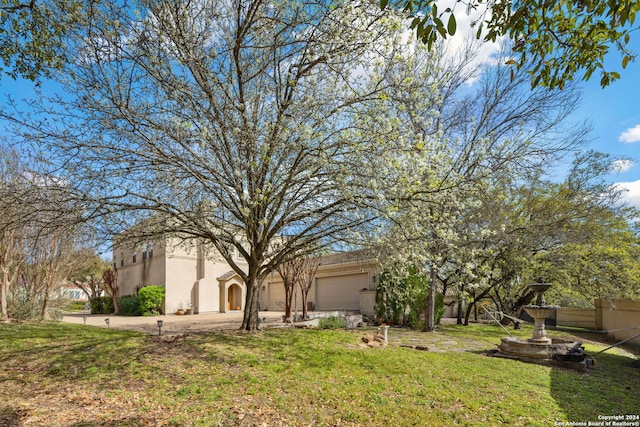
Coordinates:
<point>122,259</point>
<point>134,258</point>
<point>150,250</point>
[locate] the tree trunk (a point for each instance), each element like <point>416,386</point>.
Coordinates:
<point>305,296</point>
<point>429,318</point>
<point>467,314</point>
<point>114,298</point>
<point>45,306</point>
<point>288,302</point>
<point>252,302</point>
<point>4,290</point>
<point>460,306</point>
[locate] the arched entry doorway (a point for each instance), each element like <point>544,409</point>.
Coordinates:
<point>234,297</point>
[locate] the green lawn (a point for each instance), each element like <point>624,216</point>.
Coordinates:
<point>56,374</point>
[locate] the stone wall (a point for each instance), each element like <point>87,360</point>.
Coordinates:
<point>621,318</point>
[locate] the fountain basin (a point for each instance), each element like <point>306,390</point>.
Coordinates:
<point>555,352</point>
<point>539,311</point>
<point>539,348</point>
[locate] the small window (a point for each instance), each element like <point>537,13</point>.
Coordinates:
<point>133,259</point>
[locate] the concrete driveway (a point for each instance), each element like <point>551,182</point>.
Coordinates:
<point>171,323</point>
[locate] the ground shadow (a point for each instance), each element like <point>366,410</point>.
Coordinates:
<point>610,388</point>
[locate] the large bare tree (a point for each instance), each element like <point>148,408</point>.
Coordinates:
<point>223,122</point>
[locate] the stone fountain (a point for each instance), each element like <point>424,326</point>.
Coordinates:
<point>539,348</point>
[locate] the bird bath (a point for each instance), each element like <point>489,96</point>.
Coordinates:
<point>539,348</point>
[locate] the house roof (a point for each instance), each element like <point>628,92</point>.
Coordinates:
<point>344,257</point>
<point>226,276</point>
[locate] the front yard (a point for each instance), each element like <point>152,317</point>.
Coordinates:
<point>56,374</point>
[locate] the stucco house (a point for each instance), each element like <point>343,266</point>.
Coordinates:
<point>199,278</point>
<point>343,281</point>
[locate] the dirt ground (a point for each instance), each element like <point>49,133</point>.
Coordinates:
<point>172,324</point>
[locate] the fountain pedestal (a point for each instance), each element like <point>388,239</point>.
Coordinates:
<point>539,314</point>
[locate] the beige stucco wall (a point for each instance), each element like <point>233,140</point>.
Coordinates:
<point>368,303</point>
<point>176,267</point>
<point>200,280</point>
<point>149,271</point>
<point>353,274</point>
<point>576,317</point>
<point>184,287</point>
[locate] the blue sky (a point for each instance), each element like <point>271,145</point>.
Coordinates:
<point>614,113</point>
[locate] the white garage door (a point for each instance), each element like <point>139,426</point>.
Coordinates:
<point>341,292</point>
<point>276,297</point>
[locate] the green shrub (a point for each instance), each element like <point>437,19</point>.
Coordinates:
<point>75,306</point>
<point>401,297</point>
<point>129,305</point>
<point>332,322</point>
<point>101,305</point>
<point>151,299</point>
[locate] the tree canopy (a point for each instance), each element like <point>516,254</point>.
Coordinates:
<point>561,39</point>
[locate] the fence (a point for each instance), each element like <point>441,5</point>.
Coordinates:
<point>621,318</point>
<point>577,317</point>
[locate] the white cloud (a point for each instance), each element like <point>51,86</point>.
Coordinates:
<point>632,195</point>
<point>630,135</point>
<point>622,165</point>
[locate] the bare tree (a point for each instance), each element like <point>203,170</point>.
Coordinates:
<point>88,274</point>
<point>308,267</point>
<point>110,281</point>
<point>39,233</point>
<point>49,258</point>
<point>13,239</point>
<point>229,123</point>
<point>288,272</point>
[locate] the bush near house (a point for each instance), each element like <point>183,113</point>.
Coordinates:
<point>401,297</point>
<point>101,305</point>
<point>151,299</point>
<point>129,305</point>
<point>332,322</point>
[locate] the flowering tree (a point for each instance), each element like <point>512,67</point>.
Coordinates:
<point>225,123</point>
<point>459,144</point>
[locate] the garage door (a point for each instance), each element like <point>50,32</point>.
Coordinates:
<point>276,297</point>
<point>341,292</point>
